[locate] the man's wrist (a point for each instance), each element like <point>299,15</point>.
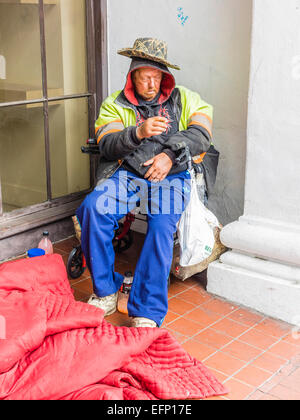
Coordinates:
<point>170,154</point>
<point>133,136</point>
<point>138,134</point>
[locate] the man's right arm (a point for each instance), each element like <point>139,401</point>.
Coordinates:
<point>114,139</point>
<point>117,145</point>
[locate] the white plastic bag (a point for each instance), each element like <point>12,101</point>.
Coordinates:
<point>196,230</point>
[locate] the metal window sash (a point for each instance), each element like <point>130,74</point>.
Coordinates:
<point>97,65</point>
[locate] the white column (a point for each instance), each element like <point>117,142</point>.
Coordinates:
<point>262,269</point>
<point>2,67</point>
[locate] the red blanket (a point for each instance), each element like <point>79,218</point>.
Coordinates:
<point>53,347</point>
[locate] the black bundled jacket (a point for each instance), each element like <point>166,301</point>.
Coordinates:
<point>190,123</point>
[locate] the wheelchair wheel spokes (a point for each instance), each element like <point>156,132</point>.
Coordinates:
<point>76,263</point>
<point>121,241</point>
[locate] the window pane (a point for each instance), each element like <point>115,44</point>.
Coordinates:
<point>22,157</point>
<point>68,125</point>
<point>20,58</point>
<point>66,47</point>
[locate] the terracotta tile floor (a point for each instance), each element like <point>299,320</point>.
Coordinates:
<point>258,358</point>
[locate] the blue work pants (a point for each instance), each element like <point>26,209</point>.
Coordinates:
<point>98,215</point>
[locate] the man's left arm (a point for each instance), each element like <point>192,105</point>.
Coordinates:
<point>194,137</point>
<point>196,121</point>
<point>196,133</point>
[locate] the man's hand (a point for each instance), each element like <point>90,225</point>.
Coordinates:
<point>152,127</point>
<point>160,167</point>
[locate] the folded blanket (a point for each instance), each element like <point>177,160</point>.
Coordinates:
<point>58,348</point>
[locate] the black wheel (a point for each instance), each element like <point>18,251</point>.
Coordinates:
<point>124,243</point>
<point>75,267</point>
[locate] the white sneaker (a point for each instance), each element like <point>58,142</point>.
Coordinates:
<point>142,322</point>
<point>107,303</point>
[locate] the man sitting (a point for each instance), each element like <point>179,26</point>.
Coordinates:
<point>138,131</point>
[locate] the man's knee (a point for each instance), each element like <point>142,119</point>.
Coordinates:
<point>89,204</point>
<point>163,224</point>
<point>100,202</point>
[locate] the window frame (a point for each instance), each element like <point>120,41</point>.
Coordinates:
<point>52,210</point>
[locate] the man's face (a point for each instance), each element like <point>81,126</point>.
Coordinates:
<point>147,82</point>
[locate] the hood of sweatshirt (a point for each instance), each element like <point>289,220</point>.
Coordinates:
<point>167,84</point>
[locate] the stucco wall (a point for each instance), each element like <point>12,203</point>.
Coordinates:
<point>274,127</point>
<point>213,50</point>
<point>262,268</point>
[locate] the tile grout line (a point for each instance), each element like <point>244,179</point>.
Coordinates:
<point>264,317</point>
<point>251,361</point>
<point>213,323</point>
<point>230,342</point>
<point>220,319</point>
<point>267,380</point>
<point>263,351</point>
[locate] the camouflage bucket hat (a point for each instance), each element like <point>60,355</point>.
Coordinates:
<point>151,49</point>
